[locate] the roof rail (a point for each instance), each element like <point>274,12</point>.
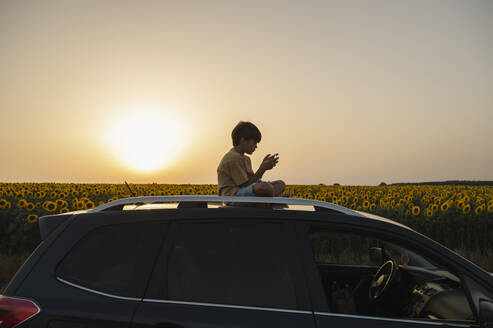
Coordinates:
<point>204,199</point>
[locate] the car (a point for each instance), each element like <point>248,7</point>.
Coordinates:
<point>195,261</point>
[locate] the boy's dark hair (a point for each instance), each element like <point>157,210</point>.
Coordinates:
<point>247,130</point>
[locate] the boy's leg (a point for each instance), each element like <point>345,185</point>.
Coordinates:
<point>263,189</point>
<point>278,188</point>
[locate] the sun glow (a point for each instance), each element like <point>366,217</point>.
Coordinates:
<point>145,141</point>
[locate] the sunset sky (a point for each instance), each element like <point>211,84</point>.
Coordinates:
<point>354,92</point>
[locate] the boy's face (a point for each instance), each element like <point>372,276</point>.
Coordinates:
<point>248,146</point>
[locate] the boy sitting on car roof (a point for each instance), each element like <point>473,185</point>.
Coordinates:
<point>234,173</point>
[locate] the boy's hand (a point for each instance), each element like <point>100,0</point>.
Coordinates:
<point>269,161</point>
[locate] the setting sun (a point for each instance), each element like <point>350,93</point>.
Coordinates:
<point>145,141</point>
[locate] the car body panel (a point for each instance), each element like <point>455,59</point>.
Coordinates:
<point>65,304</point>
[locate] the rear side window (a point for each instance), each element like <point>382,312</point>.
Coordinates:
<point>115,259</point>
<point>231,263</point>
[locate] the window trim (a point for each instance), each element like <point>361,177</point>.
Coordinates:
<point>229,306</point>
<point>97,292</point>
<point>428,322</point>
<point>150,300</point>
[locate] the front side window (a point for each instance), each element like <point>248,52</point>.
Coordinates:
<point>114,259</point>
<point>363,275</point>
<point>229,263</point>
<point>342,249</point>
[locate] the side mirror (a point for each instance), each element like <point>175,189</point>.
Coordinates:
<point>485,314</point>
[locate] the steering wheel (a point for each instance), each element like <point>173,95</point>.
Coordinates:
<point>383,280</point>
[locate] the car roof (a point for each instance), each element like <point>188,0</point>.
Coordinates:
<point>203,202</point>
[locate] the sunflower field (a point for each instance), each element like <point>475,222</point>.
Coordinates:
<point>460,217</point>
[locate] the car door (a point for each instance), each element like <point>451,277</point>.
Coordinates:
<point>348,305</point>
<point>96,273</point>
<point>227,273</point>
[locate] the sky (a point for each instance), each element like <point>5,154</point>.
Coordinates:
<point>350,92</point>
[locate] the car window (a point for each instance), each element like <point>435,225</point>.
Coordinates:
<point>330,247</point>
<point>231,263</point>
<point>404,256</point>
<point>114,259</point>
<point>408,285</point>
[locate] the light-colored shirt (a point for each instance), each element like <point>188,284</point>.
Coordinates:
<point>233,171</point>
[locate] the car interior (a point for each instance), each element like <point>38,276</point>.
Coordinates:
<point>366,276</point>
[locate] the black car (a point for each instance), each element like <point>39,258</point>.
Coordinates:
<point>192,261</point>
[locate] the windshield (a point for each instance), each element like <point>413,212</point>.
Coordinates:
<point>404,256</point>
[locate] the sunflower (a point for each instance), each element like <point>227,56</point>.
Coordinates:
<point>53,194</point>
<point>21,203</point>
<point>408,212</point>
<point>3,203</point>
<point>445,206</point>
<point>49,206</point>
<point>479,210</point>
<point>490,208</point>
<point>373,206</point>
<point>32,218</point>
<point>416,210</point>
<point>30,206</point>
<point>429,212</point>
<point>460,203</point>
<point>366,204</point>
<point>466,209</point>
<point>63,210</point>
